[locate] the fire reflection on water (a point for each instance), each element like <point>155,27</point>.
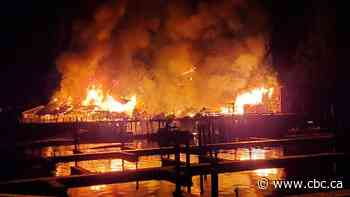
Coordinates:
<point>255,154</point>
<point>245,181</point>
<point>98,187</point>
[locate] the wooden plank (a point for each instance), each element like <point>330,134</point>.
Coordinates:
<point>269,142</point>
<point>232,145</point>
<point>116,145</point>
<point>242,165</point>
<point>170,162</point>
<point>36,185</point>
<point>132,155</point>
<point>95,156</point>
<point>79,170</point>
<point>165,173</point>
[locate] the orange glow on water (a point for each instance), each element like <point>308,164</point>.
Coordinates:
<point>256,154</point>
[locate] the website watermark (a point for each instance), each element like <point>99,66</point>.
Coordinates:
<point>264,184</point>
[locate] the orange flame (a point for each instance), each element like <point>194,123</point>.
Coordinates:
<point>96,97</point>
<point>226,110</point>
<point>253,97</point>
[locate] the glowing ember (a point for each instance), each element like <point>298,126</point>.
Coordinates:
<point>96,98</point>
<point>226,110</point>
<point>253,97</point>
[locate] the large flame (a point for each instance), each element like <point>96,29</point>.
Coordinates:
<point>96,97</point>
<point>252,97</point>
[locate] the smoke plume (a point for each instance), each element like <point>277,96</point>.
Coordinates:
<point>175,56</point>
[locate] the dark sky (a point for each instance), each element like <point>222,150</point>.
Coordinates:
<point>28,47</point>
<point>34,33</point>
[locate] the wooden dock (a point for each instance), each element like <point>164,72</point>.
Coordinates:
<point>132,155</point>
<point>175,171</point>
<point>58,185</point>
<point>128,156</point>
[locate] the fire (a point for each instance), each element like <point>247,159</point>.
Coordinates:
<point>226,110</point>
<point>252,97</point>
<point>96,98</point>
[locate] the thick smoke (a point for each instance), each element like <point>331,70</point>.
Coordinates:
<point>176,56</point>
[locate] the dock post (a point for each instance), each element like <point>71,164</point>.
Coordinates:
<point>214,181</point>
<point>177,192</point>
<point>123,165</point>
<point>131,127</point>
<point>137,181</point>
<point>202,142</point>
<point>201,183</point>
<point>236,192</point>
<point>200,155</point>
<point>76,138</point>
<point>250,153</point>
<point>188,168</point>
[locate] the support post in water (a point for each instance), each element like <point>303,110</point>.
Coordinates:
<point>177,192</point>
<point>201,183</point>
<point>214,180</point>
<point>123,165</point>
<point>188,168</point>
<point>200,143</point>
<point>137,181</point>
<point>76,139</point>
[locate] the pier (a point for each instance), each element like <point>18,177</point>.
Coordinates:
<point>178,172</point>
<point>35,186</point>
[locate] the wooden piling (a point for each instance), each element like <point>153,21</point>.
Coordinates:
<point>214,181</point>
<point>201,184</point>
<point>188,168</point>
<point>79,170</point>
<point>177,192</point>
<point>35,186</point>
<point>137,181</point>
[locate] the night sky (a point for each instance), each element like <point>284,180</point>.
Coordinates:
<point>34,34</point>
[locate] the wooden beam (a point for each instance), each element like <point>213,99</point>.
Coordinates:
<point>163,173</point>
<point>95,156</point>
<point>79,170</point>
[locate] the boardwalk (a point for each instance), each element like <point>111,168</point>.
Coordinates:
<point>132,155</point>
<point>175,171</point>
<point>58,185</point>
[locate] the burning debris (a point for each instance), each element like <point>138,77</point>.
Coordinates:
<point>95,107</point>
<point>177,58</point>
<point>258,100</point>
<point>96,98</point>
<point>98,107</point>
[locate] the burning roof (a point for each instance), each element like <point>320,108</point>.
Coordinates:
<point>97,107</point>
<point>174,57</point>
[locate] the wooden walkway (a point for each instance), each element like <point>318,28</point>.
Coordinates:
<point>59,185</point>
<point>132,155</point>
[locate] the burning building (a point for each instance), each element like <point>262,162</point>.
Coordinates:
<point>132,59</point>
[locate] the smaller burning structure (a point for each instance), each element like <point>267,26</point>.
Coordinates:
<point>258,101</point>
<point>95,107</point>
<point>98,106</point>
<point>254,112</point>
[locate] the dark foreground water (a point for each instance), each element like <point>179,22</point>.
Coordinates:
<point>244,182</point>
